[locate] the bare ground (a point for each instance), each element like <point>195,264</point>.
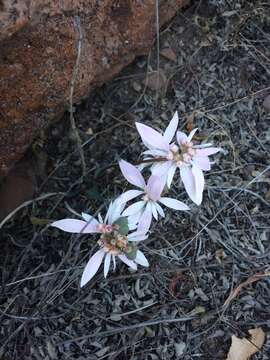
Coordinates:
<point>178,308</point>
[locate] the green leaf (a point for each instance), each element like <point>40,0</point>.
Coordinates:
<point>122,222</point>
<point>131,252</point>
<point>94,194</point>
<point>38,221</point>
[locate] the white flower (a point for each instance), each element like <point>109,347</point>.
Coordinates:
<point>148,207</point>
<point>115,241</point>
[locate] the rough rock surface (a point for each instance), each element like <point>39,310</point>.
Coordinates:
<point>38,49</point>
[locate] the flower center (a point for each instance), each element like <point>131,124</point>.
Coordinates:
<point>181,155</point>
<point>113,242</point>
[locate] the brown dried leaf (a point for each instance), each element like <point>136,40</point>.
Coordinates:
<point>169,54</point>
<point>157,81</point>
<point>242,349</point>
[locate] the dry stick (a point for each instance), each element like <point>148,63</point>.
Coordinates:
<point>158,48</point>
<point>74,129</point>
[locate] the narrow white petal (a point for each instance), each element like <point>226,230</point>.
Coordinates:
<point>170,175</point>
<point>128,262</point>
<point>132,174</point>
<point>171,129</point>
<point>161,168</point>
<point>134,208</point>
<point>154,210</point>
<point>108,213</point>
<point>92,267</point>
<point>190,136</point>
<point>141,259</point>
<point>107,263</point>
<point>173,203</point>
<point>100,219</point>
<point>181,137</point>
<point>117,209</point>
<point>114,262</point>
<point>151,137</point>
<point>160,210</point>
<point>199,183</point>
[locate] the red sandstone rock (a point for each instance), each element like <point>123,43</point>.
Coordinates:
<point>38,48</point>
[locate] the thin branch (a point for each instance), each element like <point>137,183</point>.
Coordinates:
<point>74,129</point>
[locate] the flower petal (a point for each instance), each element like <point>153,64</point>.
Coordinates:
<point>76,226</point>
<point>190,136</point>
<point>188,181</point>
<point>181,137</point>
<point>92,267</point>
<point>145,219</point>
<point>160,210</point>
<point>132,174</point>
<point>155,187</point>
<point>134,208</point>
<point>154,210</point>
<point>128,262</point>
<point>155,153</point>
<point>170,175</point>
<point>161,168</point>
<point>208,151</point>
<point>137,236</point>
<point>151,137</point>
<point>107,263</point>
<point>173,203</point>
<point>203,162</point>
<point>114,262</point>
<point>129,195</point>
<point>171,128</point>
<point>199,183</point>
<point>141,259</point>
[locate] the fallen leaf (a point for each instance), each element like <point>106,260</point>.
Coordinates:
<point>242,349</point>
<point>157,81</point>
<point>169,54</point>
<point>266,103</point>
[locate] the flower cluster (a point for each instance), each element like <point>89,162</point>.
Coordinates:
<point>124,227</point>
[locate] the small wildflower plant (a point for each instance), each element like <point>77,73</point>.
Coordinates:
<point>123,228</point>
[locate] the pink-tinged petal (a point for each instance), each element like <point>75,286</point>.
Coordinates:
<point>107,263</point>
<point>208,151</point>
<point>159,210</point>
<point>188,181</point>
<point>141,259</point>
<point>190,136</point>
<point>171,129</point>
<point>117,209</point>
<point>199,183</point>
<point>92,267</point>
<point>155,153</point>
<point>173,204</point>
<point>181,137</point>
<point>128,262</point>
<point>132,174</point>
<point>129,195</point>
<point>155,187</point>
<point>161,168</point>
<point>203,162</point>
<point>76,226</point>
<point>134,208</point>
<point>170,175</point>
<point>152,137</point>
<point>137,236</point>
<point>145,219</point>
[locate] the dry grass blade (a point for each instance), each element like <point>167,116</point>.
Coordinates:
<point>250,280</point>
